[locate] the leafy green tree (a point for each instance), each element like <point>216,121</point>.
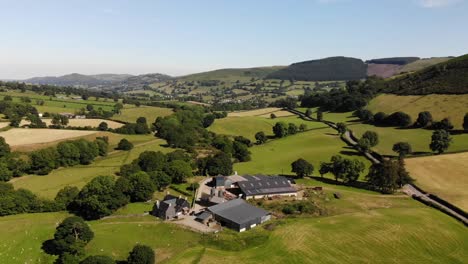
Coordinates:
<point>124,144</point>
<point>280,130</point>
<point>384,176</point>
<point>440,141</point>
<point>224,144</point>
<point>241,151</point>
<point>5,173</point>
<point>302,168</point>
<point>243,140</point>
<point>7,98</point>
<point>402,148</point>
<point>179,171</point>
<point>303,127</point>
<point>151,161</point>
<point>160,179</point>
<point>68,154</point>
<point>364,144</point>
<point>354,168</point>
<point>103,147</point>
<point>444,124</point>
<point>88,150</point>
<point>319,115</point>
<point>208,120</point>
<point>424,119</point>
<point>142,126</point>
<point>66,196</point>
<point>465,122</point>
<point>141,254</point>
<point>341,127</point>
<point>4,147</point>
<point>43,161</point>
<point>272,116</point>
<point>325,168</point>
<point>71,236</point>
<point>141,187</point>
<point>103,126</point>
<point>129,169</point>
<point>89,107</point>
<point>98,259</point>
<point>308,112</point>
<point>292,129</point>
<point>261,137</point>
<point>372,137</point>
<point>220,164</point>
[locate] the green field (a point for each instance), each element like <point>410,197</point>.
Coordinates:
<point>362,226</point>
<point>276,156</point>
<point>249,125</point>
<point>418,138</point>
<point>48,186</point>
<point>131,114</point>
<point>421,64</point>
<point>440,106</point>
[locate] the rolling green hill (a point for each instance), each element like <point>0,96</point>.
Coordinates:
<point>241,74</point>
<point>449,77</point>
<point>328,69</point>
<point>422,63</point>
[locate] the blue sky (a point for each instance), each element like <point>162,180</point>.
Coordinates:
<point>178,37</point>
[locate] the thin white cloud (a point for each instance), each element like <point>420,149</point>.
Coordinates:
<point>437,3</point>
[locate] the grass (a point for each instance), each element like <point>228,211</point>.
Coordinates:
<point>248,126</point>
<point>421,64</point>
<point>362,226</point>
<point>275,157</point>
<point>418,138</point>
<point>444,175</point>
<point>440,106</point>
<point>131,114</point>
<point>48,186</point>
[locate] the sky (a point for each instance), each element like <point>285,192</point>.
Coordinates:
<point>176,37</point>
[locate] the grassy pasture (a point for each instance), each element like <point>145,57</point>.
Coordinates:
<point>361,227</point>
<point>423,63</point>
<point>418,138</point>
<point>249,125</point>
<point>256,112</point>
<point>275,157</point>
<point>131,114</point>
<point>48,186</point>
<point>443,175</point>
<point>440,106</point>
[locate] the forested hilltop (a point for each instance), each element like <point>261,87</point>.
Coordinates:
<point>328,69</point>
<point>449,77</point>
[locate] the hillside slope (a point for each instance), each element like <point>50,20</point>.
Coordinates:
<point>449,77</point>
<point>422,63</point>
<point>328,69</point>
<point>232,74</point>
<point>76,79</point>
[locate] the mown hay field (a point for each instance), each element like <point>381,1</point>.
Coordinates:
<point>256,112</point>
<point>82,123</point>
<point>25,136</point>
<point>443,175</point>
<point>440,105</point>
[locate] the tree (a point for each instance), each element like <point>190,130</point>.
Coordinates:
<point>241,151</point>
<point>124,144</point>
<point>220,164</point>
<point>342,168</point>
<point>141,254</point>
<point>308,112</point>
<point>424,119</point>
<point>89,107</point>
<point>272,116</point>
<point>319,115</point>
<point>261,137</point>
<point>71,236</point>
<point>140,187</point>
<point>66,196</point>
<point>341,127</point>
<point>103,126</point>
<point>364,144</point>
<point>302,168</point>
<point>208,120</point>
<point>324,168</point>
<point>402,148</point>
<point>444,124</point>
<point>151,161</point>
<point>103,147</point>
<point>292,129</point>
<point>178,170</point>
<point>98,259</point>
<point>384,176</point>
<point>4,147</point>
<point>43,161</point>
<point>280,129</point>
<point>160,179</point>
<point>7,98</point>
<point>372,137</point>
<point>303,127</point>
<point>465,122</point>
<point>440,141</point>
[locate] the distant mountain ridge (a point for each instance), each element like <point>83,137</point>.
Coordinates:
<point>76,79</point>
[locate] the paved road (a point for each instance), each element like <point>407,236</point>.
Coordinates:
<point>411,190</point>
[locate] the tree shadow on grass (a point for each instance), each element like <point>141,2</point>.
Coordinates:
<point>49,247</point>
<point>350,153</point>
<point>356,184</point>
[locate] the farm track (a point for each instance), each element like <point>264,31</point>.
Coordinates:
<point>409,189</point>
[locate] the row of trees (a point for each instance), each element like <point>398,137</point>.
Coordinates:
<point>139,128</point>
<point>73,234</point>
<point>281,129</point>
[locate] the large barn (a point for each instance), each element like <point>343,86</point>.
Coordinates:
<point>239,215</point>
<point>256,187</point>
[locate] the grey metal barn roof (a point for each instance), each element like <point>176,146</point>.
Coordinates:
<point>238,211</point>
<point>262,185</point>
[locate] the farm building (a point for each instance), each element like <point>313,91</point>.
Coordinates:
<point>171,207</point>
<point>261,186</point>
<point>222,181</point>
<point>237,214</point>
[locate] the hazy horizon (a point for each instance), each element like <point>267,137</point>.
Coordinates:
<point>55,38</point>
